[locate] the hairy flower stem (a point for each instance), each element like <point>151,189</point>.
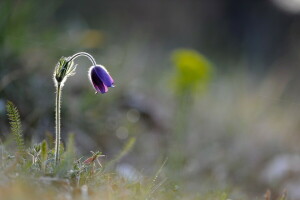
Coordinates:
<point>63,70</point>
<point>84,54</point>
<point>57,122</point>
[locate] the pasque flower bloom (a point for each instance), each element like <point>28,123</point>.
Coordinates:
<point>65,68</point>
<point>100,78</point>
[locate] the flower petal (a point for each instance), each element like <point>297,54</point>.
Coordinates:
<point>97,82</point>
<point>104,75</point>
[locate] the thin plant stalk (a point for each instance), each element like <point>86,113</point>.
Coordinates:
<point>57,122</point>
<point>59,86</point>
<point>63,70</point>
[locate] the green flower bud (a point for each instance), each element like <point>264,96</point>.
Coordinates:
<point>64,68</point>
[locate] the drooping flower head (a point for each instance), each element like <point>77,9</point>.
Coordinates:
<point>100,78</point>
<point>65,67</point>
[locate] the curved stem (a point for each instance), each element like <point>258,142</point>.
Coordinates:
<point>84,54</point>
<point>58,104</point>
<point>57,122</point>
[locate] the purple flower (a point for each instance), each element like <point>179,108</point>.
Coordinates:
<point>100,79</point>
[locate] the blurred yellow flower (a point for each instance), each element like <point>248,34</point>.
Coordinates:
<point>193,70</point>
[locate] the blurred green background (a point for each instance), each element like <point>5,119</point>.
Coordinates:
<point>211,85</point>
